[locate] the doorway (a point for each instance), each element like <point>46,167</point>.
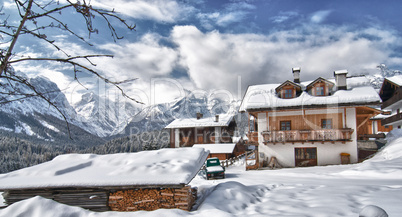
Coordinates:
<point>305,157</point>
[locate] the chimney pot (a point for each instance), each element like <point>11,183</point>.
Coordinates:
<point>296,74</point>
<point>216,118</point>
<point>199,115</point>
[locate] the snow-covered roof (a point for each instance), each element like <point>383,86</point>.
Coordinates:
<point>359,92</point>
<point>339,72</point>
<point>159,167</point>
<point>380,117</point>
<point>224,121</point>
<point>397,79</point>
<point>221,148</point>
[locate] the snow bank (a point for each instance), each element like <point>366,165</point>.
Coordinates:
<point>160,167</point>
<point>387,163</point>
<point>236,196</point>
<point>217,148</point>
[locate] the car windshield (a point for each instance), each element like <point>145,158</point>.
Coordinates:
<point>214,162</point>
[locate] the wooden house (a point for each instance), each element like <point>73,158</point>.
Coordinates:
<point>309,123</point>
<point>391,95</point>
<point>217,130</point>
<point>145,180</point>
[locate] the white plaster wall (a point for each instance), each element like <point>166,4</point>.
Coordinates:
<point>351,123</point>
<point>262,126</point>
<point>375,127</point>
<point>217,134</point>
<point>327,153</point>
<point>177,138</point>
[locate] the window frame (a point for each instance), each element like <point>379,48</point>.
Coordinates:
<point>288,93</point>
<point>287,125</point>
<point>324,123</point>
<point>320,90</point>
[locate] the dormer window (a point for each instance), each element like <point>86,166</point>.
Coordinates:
<point>320,87</point>
<point>288,90</point>
<point>319,91</point>
<point>288,94</point>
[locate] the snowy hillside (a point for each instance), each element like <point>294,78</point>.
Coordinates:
<point>330,191</point>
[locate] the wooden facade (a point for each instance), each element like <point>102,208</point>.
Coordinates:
<point>391,95</point>
<point>203,130</point>
<point>202,135</point>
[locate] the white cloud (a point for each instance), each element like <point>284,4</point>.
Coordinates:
<point>145,58</point>
<point>320,16</point>
<point>319,50</point>
<point>284,16</point>
<point>233,13</point>
<point>158,10</point>
<point>8,4</point>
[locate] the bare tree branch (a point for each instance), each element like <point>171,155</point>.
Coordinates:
<point>38,17</point>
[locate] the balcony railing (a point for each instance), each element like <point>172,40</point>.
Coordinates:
<point>221,139</point>
<point>252,137</point>
<point>321,135</point>
<point>392,119</point>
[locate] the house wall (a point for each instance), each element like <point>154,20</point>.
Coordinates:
<point>328,153</point>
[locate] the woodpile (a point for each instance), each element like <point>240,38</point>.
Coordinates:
<point>153,198</point>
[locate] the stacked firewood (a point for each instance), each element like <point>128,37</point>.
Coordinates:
<point>153,198</point>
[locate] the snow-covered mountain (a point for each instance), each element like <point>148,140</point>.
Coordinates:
<point>35,117</point>
<point>103,117</point>
<point>94,115</point>
<point>156,117</point>
<point>377,79</point>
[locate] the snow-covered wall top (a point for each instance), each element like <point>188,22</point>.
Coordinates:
<point>224,121</point>
<point>359,92</point>
<point>222,148</point>
<point>159,167</point>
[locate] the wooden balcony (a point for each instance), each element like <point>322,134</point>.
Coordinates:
<point>322,135</point>
<point>392,119</point>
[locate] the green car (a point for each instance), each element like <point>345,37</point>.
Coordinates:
<point>213,168</point>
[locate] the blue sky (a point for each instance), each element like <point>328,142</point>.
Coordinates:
<point>211,47</point>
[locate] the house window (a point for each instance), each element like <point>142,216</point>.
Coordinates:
<point>285,125</point>
<point>288,94</point>
<point>326,123</point>
<point>319,91</point>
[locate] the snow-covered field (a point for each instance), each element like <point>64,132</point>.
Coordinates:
<point>342,190</point>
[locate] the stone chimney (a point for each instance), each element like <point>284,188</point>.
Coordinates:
<point>199,115</point>
<point>340,79</point>
<point>216,118</point>
<point>296,74</point>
